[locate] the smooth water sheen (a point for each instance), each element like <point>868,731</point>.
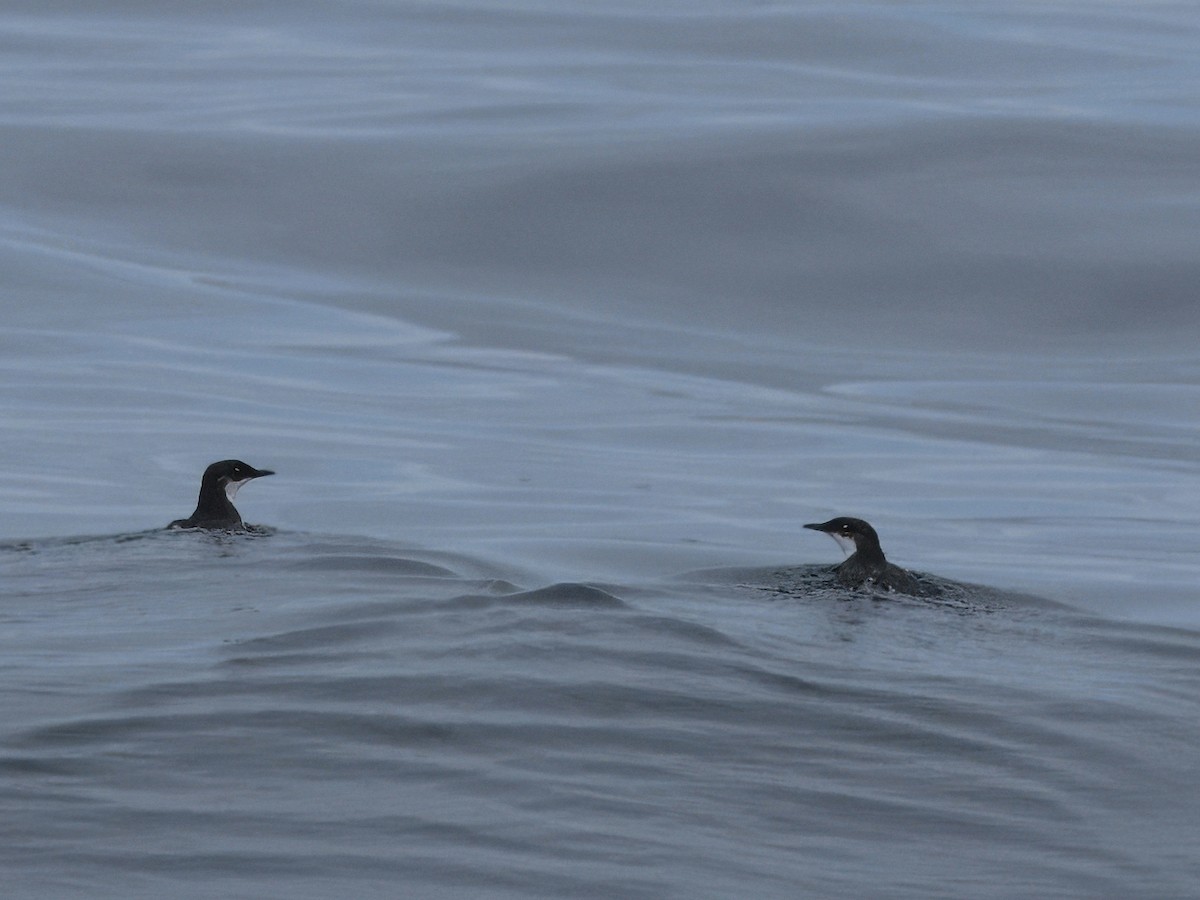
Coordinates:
<point>556,321</point>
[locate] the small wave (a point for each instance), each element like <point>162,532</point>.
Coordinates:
<point>391,565</point>
<point>563,594</point>
<point>319,636</point>
<point>689,631</point>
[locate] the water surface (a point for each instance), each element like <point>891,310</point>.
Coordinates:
<point>556,322</point>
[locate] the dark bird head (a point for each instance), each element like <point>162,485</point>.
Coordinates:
<point>852,535</point>
<point>229,475</point>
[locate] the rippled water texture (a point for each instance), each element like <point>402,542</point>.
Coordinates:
<point>556,321</point>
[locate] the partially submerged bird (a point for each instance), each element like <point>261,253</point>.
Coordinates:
<point>866,562</point>
<point>218,487</point>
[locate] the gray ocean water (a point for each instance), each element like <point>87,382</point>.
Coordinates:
<point>556,321</point>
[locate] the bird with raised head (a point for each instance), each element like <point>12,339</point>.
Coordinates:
<point>218,486</point>
<point>866,562</point>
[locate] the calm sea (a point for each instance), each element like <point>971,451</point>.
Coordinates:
<point>557,320</point>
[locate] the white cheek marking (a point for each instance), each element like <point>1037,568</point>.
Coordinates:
<point>847,544</point>
<point>231,489</point>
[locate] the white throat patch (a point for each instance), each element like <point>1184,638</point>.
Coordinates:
<point>847,544</point>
